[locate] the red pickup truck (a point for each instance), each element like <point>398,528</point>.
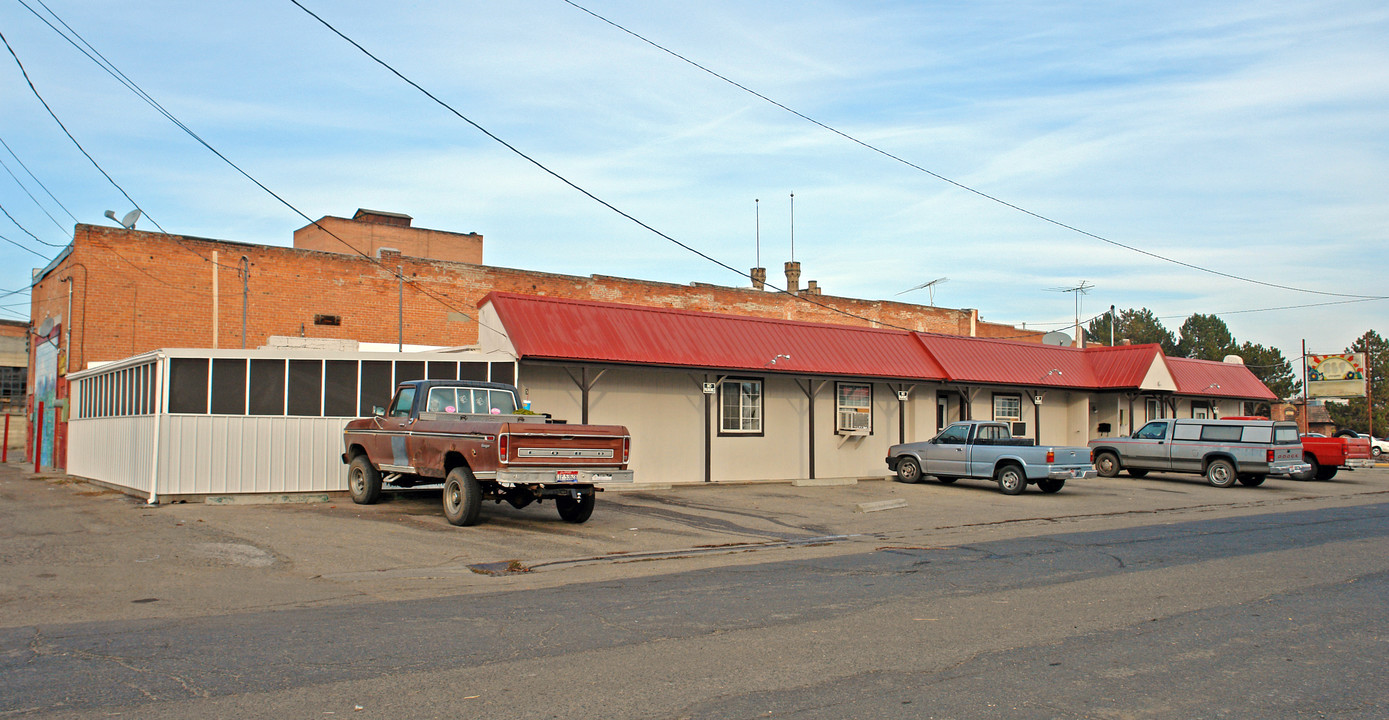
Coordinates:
<point>470,437</point>
<point>1327,455</point>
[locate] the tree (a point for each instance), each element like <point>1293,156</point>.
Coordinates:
<point>1139,327</point>
<point>1274,370</point>
<point>1351,414</point>
<point>1205,337</point>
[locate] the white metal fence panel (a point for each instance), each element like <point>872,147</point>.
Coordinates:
<point>224,454</point>
<point>113,450</point>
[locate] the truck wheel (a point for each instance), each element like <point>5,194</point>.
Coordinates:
<point>1326,472</point>
<point>1051,486</point>
<point>1311,472</point>
<point>1135,472</point>
<point>363,481</point>
<point>1220,473</point>
<point>1251,480</point>
<point>462,497</point>
<point>1107,464</point>
<point>576,511</point>
<point>1010,479</point>
<point>908,470</point>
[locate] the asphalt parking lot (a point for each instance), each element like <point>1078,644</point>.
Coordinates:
<point>72,551</point>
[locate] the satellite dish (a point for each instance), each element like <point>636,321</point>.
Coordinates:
<point>1233,360</point>
<point>1056,338</point>
<point>127,222</point>
<point>46,327</point>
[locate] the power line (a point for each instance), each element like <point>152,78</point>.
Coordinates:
<point>40,182</point>
<point>573,185</point>
<point>955,183</point>
<point>26,230</point>
<point>115,72</point>
<point>22,247</point>
<point>54,115</point>
<point>31,196</point>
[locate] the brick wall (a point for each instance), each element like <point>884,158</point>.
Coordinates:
<point>135,291</point>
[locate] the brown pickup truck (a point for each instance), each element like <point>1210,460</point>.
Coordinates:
<point>469,436</point>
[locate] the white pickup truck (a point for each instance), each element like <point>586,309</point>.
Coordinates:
<point>980,449</point>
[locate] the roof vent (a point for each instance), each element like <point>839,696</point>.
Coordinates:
<point>1234,359</point>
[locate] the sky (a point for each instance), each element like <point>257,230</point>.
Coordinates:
<point>1185,157</point>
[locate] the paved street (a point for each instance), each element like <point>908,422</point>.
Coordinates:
<point>1159,597</point>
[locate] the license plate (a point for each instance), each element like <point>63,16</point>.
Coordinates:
<point>566,475</point>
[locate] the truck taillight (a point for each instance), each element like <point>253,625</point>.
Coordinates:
<point>503,446</point>
<point>1270,454</point>
<point>626,447</point>
<point>1051,456</point>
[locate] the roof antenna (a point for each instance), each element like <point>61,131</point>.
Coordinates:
<point>1082,289</point>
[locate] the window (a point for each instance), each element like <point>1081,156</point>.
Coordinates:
<point>403,401</point>
<point>1152,431</point>
<point>953,435</point>
<point>1257,434</point>
<point>187,386</point>
<point>740,406</point>
<point>1200,409</point>
<point>853,406</point>
<point>1154,409</point>
<point>1286,434</point>
<point>1222,433</point>
<point>1007,408</point>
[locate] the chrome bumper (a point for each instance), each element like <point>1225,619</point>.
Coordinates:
<point>1362,463</point>
<point>1073,474</point>
<point>1293,469</point>
<point>553,476</point>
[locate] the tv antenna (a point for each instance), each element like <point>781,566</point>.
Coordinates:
<point>929,287</point>
<point>1082,289</point>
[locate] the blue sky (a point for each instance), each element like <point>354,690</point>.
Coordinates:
<point>1249,138</point>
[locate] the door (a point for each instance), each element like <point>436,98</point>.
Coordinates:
<point>1153,447</point>
<point>947,455</point>
<point>393,454</point>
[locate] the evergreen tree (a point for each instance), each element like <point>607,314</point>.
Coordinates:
<point>1139,327</point>
<point>1205,337</point>
<point>1274,370</point>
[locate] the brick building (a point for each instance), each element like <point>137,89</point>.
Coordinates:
<point>114,293</point>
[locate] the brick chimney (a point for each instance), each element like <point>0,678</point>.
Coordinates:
<point>812,287</point>
<point>793,278</point>
<point>759,278</point>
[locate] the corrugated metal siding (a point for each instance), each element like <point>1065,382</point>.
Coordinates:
<point>224,454</point>
<point>112,450</point>
<point>560,329</point>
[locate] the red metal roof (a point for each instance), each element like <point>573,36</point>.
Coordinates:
<point>549,328</point>
<point>581,330</point>
<point>1009,362</point>
<point>1122,366</point>
<point>1222,379</point>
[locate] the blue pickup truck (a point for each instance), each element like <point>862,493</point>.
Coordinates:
<point>979,449</point>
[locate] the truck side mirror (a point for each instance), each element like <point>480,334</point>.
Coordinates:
<point>378,411</point>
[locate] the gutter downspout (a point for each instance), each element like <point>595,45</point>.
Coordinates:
<point>159,363</point>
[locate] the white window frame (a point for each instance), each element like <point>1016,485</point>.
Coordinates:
<point>853,418</point>
<point>750,405</point>
<point>1017,402</point>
